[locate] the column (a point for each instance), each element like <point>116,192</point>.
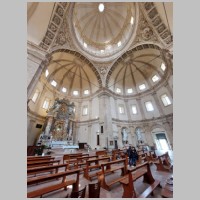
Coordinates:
<point>90,109</point>
<point>30,135</point>
<point>48,127</point>
<point>140,107</point>
<point>169,89</point>
<point>89,135</point>
<point>154,94</point>
<point>169,133</point>
<point>116,109</point>
<point>127,109</point>
<point>37,75</point>
<point>120,144</point>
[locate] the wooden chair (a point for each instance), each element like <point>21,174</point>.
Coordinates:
<point>94,190</point>
<point>77,194</point>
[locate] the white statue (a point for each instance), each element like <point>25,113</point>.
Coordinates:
<point>138,133</point>
<point>124,135</point>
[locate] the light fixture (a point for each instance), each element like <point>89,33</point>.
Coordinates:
<point>101,7</point>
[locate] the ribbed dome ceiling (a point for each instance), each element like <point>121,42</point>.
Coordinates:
<point>104,33</point>
<point>72,72</point>
<point>134,69</point>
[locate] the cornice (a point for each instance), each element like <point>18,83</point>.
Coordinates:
<point>158,119</point>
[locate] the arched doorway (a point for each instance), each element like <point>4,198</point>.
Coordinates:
<point>160,139</point>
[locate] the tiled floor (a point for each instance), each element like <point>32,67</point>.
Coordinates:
<point>116,189</point>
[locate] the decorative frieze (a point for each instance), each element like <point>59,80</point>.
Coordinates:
<point>158,25</point>
<point>54,25</point>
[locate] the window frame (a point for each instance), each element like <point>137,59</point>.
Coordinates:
<point>34,95</point>
<point>46,100</point>
<point>142,86</point>
<point>123,108</point>
<point>165,100</point>
<point>85,107</point>
<point>156,80</point>
<point>134,105</point>
<point>146,106</point>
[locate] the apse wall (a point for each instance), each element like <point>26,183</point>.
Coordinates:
<point>88,126</point>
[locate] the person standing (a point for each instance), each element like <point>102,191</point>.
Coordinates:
<point>130,156</point>
<point>134,156</point>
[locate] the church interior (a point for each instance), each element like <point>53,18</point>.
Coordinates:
<point>99,82</point>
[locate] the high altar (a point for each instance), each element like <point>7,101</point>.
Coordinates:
<point>59,126</point>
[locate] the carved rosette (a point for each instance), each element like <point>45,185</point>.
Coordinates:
<point>145,32</point>
<point>63,38</point>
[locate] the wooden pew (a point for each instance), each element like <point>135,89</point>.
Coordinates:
<point>51,168</point>
<point>116,154</point>
<point>135,173</point>
<point>111,167</point>
<point>54,186</point>
<point>29,158</point>
<point>81,161</point>
<point>67,157</point>
<point>89,166</point>
<point>40,159</point>
<point>101,153</point>
<point>41,163</point>
<point>143,157</point>
<point>163,163</point>
<point>77,162</point>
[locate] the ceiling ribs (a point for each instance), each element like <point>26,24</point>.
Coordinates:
<point>124,80</point>
<point>133,78</point>
<point>72,81</point>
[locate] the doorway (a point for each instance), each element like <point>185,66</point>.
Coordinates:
<point>161,141</point>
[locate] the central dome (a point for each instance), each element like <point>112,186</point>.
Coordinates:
<point>104,29</point>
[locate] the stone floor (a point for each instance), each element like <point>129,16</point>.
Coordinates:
<point>116,190</point>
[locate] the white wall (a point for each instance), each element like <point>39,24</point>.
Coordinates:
<point>167,109</point>
<point>137,116</point>
<point>95,108</point>
<point>151,114</point>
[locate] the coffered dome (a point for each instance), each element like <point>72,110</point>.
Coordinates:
<point>103,30</point>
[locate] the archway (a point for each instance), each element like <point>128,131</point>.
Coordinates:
<point>160,138</point>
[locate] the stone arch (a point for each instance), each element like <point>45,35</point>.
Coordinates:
<point>159,129</point>
<point>84,59</point>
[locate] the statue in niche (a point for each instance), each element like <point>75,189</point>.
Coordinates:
<point>55,106</point>
<point>124,135</point>
<point>139,135</point>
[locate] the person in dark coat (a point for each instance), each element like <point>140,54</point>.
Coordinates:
<point>133,156</point>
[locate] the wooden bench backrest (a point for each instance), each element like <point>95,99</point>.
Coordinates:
<point>53,176</point>
<point>42,163</point>
<point>43,168</point>
<point>38,157</point>
<point>103,165</point>
<point>96,160</point>
<point>148,177</point>
<point>40,160</point>
<point>101,153</point>
<point>165,159</point>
